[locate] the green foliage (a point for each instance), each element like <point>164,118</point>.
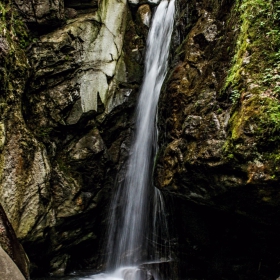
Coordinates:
<point>271,79</point>
<point>270,119</point>
<point>257,47</point>
<point>255,70</point>
<point>234,97</point>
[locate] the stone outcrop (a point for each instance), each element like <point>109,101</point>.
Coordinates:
<point>66,123</point>
<point>218,139</point>
<point>141,2</point>
<point>10,244</point>
<point>41,13</point>
<point>8,269</point>
<point>76,62</point>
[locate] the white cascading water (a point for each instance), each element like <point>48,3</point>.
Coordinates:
<point>137,211</point>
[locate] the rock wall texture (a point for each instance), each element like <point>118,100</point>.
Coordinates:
<point>219,138</point>
<point>70,74</point>
<point>8,269</point>
<point>10,244</point>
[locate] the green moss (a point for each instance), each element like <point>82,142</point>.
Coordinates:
<point>262,114</point>
<point>253,83</point>
<point>15,38</point>
<point>269,119</point>
<point>257,49</point>
<point>12,27</point>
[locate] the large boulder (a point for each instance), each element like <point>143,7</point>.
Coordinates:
<point>10,244</point>
<point>8,268</point>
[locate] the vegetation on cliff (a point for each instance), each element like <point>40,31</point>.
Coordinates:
<point>219,118</point>
<point>14,38</point>
<point>253,83</point>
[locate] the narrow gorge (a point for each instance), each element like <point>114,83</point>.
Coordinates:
<point>71,75</point>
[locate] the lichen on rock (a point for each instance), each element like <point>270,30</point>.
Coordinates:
<point>66,111</point>
<point>218,121</point>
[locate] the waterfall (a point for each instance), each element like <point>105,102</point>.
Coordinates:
<point>137,207</point>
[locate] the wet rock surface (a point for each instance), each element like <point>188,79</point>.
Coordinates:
<point>211,154</point>
<point>66,121</point>
<point>66,126</point>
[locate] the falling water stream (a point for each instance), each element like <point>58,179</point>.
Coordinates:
<point>138,234</point>
<point>130,228</point>
<point>137,226</point>
<point>133,235</point>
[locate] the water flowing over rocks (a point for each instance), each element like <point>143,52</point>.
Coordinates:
<point>135,198</point>
<point>70,74</point>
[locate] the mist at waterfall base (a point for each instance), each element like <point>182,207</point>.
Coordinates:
<point>138,245</point>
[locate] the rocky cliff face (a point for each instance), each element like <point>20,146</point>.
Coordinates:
<point>219,137</point>
<point>70,73</point>
<point>67,107</point>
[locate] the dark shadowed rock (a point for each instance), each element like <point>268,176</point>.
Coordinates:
<point>219,146</point>
<point>42,12</point>
<point>10,243</point>
<point>81,4</point>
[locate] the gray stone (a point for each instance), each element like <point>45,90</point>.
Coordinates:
<point>211,32</point>
<point>23,188</point>
<point>11,245</point>
<point>8,271</point>
<point>191,124</point>
<point>81,62</point>
<point>133,2</point>
<point>4,47</point>
<point>90,144</point>
<point>42,12</point>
